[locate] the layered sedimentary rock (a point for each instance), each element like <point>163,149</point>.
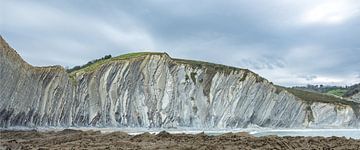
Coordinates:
<point>356,97</point>
<point>32,95</point>
<point>353,93</point>
<point>154,90</point>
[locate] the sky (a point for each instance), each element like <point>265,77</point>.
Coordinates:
<point>291,43</point>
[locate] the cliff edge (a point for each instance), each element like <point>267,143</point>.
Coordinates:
<point>155,90</point>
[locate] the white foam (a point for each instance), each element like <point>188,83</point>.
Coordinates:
<point>258,132</point>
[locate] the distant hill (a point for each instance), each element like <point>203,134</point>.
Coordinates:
<point>333,90</point>
<point>352,90</point>
<point>342,91</point>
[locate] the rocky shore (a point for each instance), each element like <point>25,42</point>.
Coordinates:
<point>76,139</point>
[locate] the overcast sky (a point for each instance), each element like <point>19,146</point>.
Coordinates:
<point>288,42</point>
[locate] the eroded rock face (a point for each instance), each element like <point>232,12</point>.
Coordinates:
<point>154,91</point>
<point>32,96</point>
<point>356,97</point>
<point>333,115</point>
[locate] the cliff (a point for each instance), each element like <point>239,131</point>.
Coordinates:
<point>353,93</point>
<point>155,90</point>
<point>31,95</point>
<point>356,97</point>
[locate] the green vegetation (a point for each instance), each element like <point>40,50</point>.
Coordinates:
<point>310,114</point>
<point>314,97</point>
<point>72,79</point>
<point>244,76</point>
<point>354,89</point>
<point>311,97</point>
<point>210,68</point>
<point>334,90</point>
<point>337,92</point>
<point>278,90</point>
<point>259,79</point>
<point>201,64</point>
<point>342,91</point>
<point>201,80</point>
<point>187,77</point>
<point>92,65</point>
<point>88,64</point>
<point>193,77</point>
<point>134,55</point>
<point>195,109</point>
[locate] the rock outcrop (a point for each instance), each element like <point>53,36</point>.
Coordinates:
<point>353,93</point>
<point>32,96</point>
<point>355,97</point>
<point>155,90</point>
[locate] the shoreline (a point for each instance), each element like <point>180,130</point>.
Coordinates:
<point>257,132</point>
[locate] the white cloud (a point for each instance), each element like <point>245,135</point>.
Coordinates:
<point>280,40</point>
<point>288,77</point>
<point>70,33</point>
<point>137,39</point>
<point>330,12</point>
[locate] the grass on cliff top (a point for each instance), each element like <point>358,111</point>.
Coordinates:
<point>337,92</point>
<point>199,64</point>
<point>216,67</point>
<point>92,65</point>
<point>311,97</point>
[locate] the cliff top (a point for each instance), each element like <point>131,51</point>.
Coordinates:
<point>10,53</point>
<point>95,64</point>
<point>311,97</point>
<point>355,89</point>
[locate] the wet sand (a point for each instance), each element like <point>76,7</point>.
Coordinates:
<point>76,139</point>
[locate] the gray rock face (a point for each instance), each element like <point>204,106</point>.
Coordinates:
<point>356,97</point>
<point>154,91</point>
<point>32,96</point>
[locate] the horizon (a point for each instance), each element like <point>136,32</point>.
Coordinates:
<point>289,44</point>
